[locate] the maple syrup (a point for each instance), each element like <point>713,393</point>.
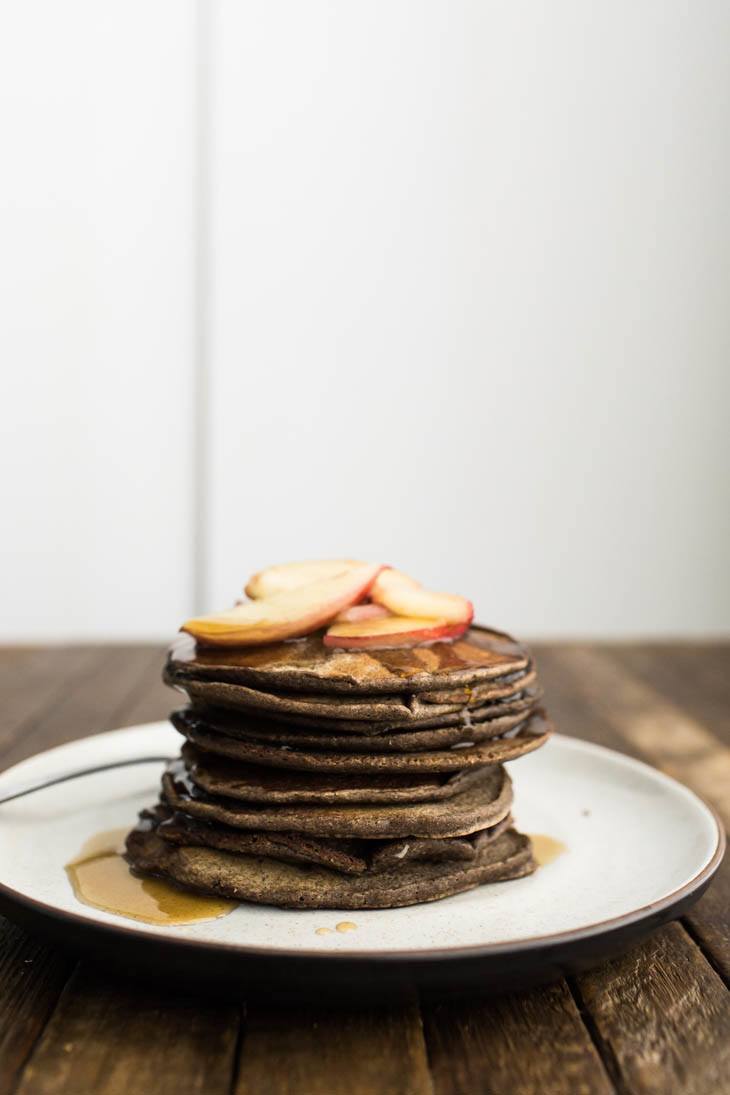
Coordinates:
<point>546,848</point>
<point>101,877</point>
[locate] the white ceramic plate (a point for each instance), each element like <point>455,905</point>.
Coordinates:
<point>639,848</point>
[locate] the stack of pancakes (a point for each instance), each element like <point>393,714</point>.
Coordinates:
<point>321,778</point>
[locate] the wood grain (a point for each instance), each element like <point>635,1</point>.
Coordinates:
<point>51,696</point>
<point>695,676</point>
<point>336,1051</point>
<point>527,1044</point>
<point>31,681</point>
<point>668,736</point>
<point>32,977</point>
<point>708,921</point>
<point>578,711</point>
<point>151,700</point>
<point>107,683</point>
<point>112,1037</point>
<point>663,1017</point>
<point>655,1020</point>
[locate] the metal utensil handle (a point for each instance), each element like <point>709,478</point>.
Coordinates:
<point>39,785</point>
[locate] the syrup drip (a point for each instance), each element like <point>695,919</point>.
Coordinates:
<point>546,848</point>
<point>101,877</point>
<point>343,926</point>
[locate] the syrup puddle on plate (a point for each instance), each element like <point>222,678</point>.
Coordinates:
<point>100,877</point>
<point>546,848</point>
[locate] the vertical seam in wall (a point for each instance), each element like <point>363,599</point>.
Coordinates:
<point>201,301</point>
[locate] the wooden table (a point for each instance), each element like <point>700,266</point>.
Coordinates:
<point>656,1020</point>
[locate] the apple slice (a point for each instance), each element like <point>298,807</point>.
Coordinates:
<point>403,596</point>
<point>287,576</point>
<point>393,631</point>
<point>357,613</point>
<point>285,615</point>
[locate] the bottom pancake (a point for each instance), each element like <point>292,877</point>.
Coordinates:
<point>345,856</point>
<point>268,881</point>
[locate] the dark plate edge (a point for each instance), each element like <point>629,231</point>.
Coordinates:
<point>282,978</point>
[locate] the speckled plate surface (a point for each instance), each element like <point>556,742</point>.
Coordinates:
<point>639,848</point>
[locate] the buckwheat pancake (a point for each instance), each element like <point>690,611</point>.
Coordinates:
<point>272,882</point>
<point>365,715</point>
<point>371,730</point>
<point>346,856</point>
<point>255,783</point>
<point>323,768</point>
<point>218,721</point>
<point>391,854</point>
<point>529,734</point>
<point>474,695</point>
<point>483,802</point>
<point>306,665</point>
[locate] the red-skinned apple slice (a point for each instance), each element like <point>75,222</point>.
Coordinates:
<point>357,613</point>
<point>288,576</point>
<point>392,632</point>
<point>403,596</point>
<point>286,615</point>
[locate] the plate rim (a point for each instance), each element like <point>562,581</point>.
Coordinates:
<point>137,931</point>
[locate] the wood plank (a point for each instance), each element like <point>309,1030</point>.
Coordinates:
<point>94,700</point>
<point>59,693</point>
<point>112,1037</point>
<point>661,738</point>
<point>146,689</point>
<point>526,1044</point>
<point>336,1051</point>
<point>630,716</point>
<point>32,680</point>
<point>569,709</point>
<point>31,977</point>
<point>694,676</point>
<point>283,1052</point>
<point>663,1017</point>
<point>660,730</point>
<point>31,980</point>
<point>709,921</point>
<point>152,701</point>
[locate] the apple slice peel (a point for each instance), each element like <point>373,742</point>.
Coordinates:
<point>285,615</point>
<point>393,632</point>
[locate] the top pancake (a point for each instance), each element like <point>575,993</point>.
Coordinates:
<point>307,665</point>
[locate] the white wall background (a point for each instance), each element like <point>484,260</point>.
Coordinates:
<point>440,283</point>
<point>96,320</point>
